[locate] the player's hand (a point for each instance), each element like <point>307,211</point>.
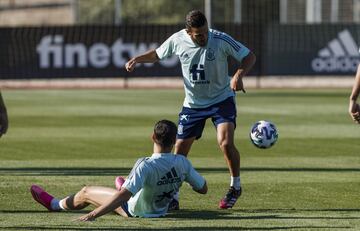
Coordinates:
<point>130,65</point>
<point>356,117</point>
<point>237,84</point>
<point>88,217</point>
<point>354,111</point>
<point>3,121</point>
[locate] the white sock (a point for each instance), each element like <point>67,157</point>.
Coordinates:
<point>55,204</point>
<point>61,204</point>
<point>235,182</point>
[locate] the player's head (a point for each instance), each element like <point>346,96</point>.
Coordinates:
<point>165,133</point>
<point>197,27</point>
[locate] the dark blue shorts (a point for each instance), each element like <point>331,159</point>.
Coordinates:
<point>125,207</point>
<point>192,120</point>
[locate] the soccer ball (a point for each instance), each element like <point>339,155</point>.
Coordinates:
<point>263,134</point>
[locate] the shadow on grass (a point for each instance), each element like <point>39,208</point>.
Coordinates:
<point>80,171</point>
<point>285,210</point>
<point>296,94</point>
<point>208,215</point>
<point>54,171</point>
<point>239,215</point>
<point>176,228</point>
<point>38,211</point>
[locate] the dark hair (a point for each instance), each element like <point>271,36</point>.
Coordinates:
<point>195,18</point>
<point>165,133</point>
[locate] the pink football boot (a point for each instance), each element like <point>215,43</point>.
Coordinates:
<point>119,181</point>
<point>42,197</point>
<point>230,198</point>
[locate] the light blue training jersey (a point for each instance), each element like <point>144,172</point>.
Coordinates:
<point>154,181</point>
<point>205,69</point>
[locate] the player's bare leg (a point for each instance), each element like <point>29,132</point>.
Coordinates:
<point>87,195</point>
<point>225,138</point>
<point>95,195</point>
<point>183,146</point>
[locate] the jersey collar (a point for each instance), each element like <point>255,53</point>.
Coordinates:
<point>161,154</point>
<point>190,41</point>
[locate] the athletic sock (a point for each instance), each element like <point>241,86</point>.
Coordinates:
<point>235,182</point>
<point>61,204</point>
<point>55,204</point>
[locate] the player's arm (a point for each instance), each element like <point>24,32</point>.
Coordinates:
<point>112,204</point>
<point>3,117</point>
<point>197,182</point>
<point>246,64</point>
<point>203,190</point>
<point>354,108</point>
<point>148,57</point>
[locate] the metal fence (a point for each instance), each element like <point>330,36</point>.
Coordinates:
<point>94,38</point>
<point>109,12</point>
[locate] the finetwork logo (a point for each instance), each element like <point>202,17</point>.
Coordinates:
<point>340,55</point>
<point>53,52</point>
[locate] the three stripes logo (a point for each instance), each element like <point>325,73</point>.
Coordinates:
<point>340,55</point>
<point>169,178</point>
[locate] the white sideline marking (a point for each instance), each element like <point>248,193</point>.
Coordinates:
<point>177,83</point>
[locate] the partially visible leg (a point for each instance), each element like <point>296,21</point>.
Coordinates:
<point>95,195</point>
<point>183,146</point>
<point>190,127</point>
<point>225,138</point>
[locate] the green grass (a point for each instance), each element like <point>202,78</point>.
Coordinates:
<point>64,139</point>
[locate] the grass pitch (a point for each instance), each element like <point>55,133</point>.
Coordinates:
<point>64,139</point>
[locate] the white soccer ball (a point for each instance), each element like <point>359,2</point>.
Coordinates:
<point>263,134</point>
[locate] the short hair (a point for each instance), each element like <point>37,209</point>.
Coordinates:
<point>196,19</point>
<point>165,133</point>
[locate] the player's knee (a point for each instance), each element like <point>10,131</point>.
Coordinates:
<point>84,192</point>
<point>226,145</point>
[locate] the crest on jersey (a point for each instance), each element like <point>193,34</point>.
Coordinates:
<point>210,54</point>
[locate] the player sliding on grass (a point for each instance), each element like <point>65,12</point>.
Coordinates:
<point>3,117</point>
<point>354,108</point>
<point>146,192</point>
<point>209,91</point>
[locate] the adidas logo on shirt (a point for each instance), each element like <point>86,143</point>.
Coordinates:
<point>169,178</point>
<point>340,55</point>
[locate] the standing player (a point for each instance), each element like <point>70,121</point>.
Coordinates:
<point>146,192</point>
<point>354,108</point>
<point>209,91</point>
<point>3,117</point>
